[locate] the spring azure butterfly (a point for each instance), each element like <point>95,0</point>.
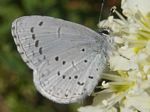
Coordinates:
<point>67,59</point>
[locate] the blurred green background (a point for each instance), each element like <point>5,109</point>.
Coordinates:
<point>17,91</point>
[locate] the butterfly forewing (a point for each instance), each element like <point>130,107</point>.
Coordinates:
<point>66,57</point>
<point>39,37</point>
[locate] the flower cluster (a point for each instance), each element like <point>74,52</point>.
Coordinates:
<point>126,87</point>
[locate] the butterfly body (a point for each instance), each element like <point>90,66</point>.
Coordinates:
<point>67,59</point>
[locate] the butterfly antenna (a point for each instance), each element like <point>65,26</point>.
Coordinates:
<point>101,10</point>
<point>113,10</point>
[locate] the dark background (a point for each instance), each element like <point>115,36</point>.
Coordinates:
<point>17,91</point>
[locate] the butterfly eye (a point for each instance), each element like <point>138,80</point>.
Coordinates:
<point>105,32</point>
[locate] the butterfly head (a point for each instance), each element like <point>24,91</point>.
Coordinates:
<point>108,40</point>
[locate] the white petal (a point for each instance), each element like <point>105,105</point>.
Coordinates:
<point>100,97</point>
<point>90,109</point>
<point>148,47</point>
<point>114,24</point>
<point>118,40</point>
<point>126,52</point>
<point>141,102</point>
<point>120,63</point>
<point>96,109</point>
<point>146,68</point>
<point>145,85</point>
<point>126,109</point>
<point>132,6</point>
<point>142,58</point>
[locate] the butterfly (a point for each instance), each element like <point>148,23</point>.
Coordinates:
<point>67,59</point>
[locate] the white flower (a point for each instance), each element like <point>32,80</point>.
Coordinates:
<point>133,6</point>
<point>96,109</point>
<point>126,87</point>
<point>121,63</point>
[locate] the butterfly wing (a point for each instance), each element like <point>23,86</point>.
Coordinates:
<point>71,82</point>
<point>67,58</point>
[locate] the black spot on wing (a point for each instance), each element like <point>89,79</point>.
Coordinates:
<point>90,77</point>
<point>63,76</point>
<point>85,61</point>
<point>80,83</point>
<point>64,62</point>
<point>44,57</point>
<point>41,23</point>
<point>36,43</point>
<point>33,36</point>
<point>66,95</point>
<point>21,53</point>
<point>14,36</point>
<point>18,45</point>
<point>83,49</point>
<point>13,28</point>
<point>56,58</point>
<point>40,50</point>
<point>32,29</point>
<point>58,73</point>
<point>27,61</point>
<point>75,76</point>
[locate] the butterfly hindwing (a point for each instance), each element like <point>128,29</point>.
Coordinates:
<point>72,82</point>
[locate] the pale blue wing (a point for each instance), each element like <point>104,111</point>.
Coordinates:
<point>40,37</point>
<point>67,58</point>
